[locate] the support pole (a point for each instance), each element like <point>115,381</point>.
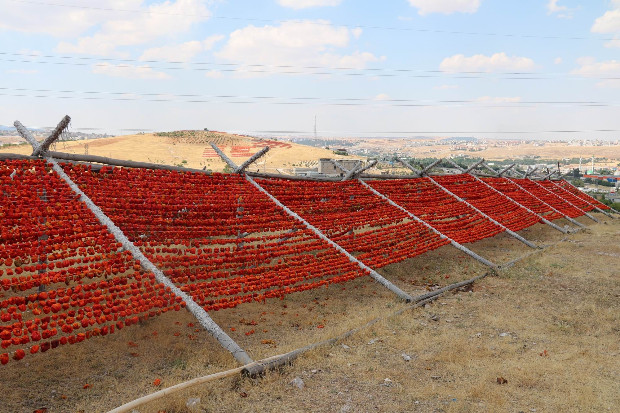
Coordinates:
<point>528,173</point>
<point>225,158</point>
<point>252,159</point>
<point>355,172</point>
<point>544,220</point>
<point>474,166</point>
<point>429,226</point>
<point>508,231</point>
<point>565,200</point>
<point>579,224</point>
<point>568,192</point>
<point>201,315</point>
<point>429,167</point>
<point>60,128</point>
<point>506,169</point>
<point>577,189</point>
<point>25,133</point>
<point>375,275</point>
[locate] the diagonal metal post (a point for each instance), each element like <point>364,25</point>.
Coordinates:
<point>45,145</point>
<point>252,159</point>
<point>508,230</point>
<point>506,169</point>
<point>544,220</point>
<point>429,226</point>
<point>355,172</point>
<point>565,200</point>
<point>374,274</point>
<point>588,202</point>
<point>201,315</point>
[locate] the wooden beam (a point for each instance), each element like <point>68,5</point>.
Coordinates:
<point>429,226</point>
<point>487,167</point>
<point>429,167</point>
<point>201,315</point>
<point>25,133</point>
<point>120,162</point>
<point>374,274</point>
<point>45,146</point>
<point>225,158</point>
<point>506,169</point>
<point>409,166</point>
<point>474,166</point>
<point>508,231</point>
<point>252,159</point>
<point>358,172</point>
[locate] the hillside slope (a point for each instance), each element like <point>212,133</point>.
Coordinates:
<point>192,149</point>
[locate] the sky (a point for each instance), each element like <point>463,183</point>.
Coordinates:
<point>546,69</point>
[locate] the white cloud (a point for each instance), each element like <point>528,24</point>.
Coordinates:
<point>210,41</point>
<point>129,71</point>
<point>481,63</point>
<point>557,60</point>
<point>304,4</point>
<point>180,52</point>
<point>446,87</point>
<point>299,43</point>
<point>60,21</point>
<point>445,6</point>
<point>382,96</point>
<point>498,100</point>
<point>158,20</point>
<point>608,22</point>
<point>562,12</point>
<point>591,68</point>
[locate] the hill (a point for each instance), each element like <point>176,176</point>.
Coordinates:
<point>192,149</point>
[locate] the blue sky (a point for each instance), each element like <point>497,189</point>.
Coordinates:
<point>488,68</point>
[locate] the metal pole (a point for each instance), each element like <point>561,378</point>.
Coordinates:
<point>429,226</point>
<point>375,275</point>
<point>565,200</point>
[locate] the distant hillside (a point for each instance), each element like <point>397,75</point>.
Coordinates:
<point>191,148</point>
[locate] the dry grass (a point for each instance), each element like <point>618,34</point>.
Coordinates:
<point>167,151</point>
<point>563,300</point>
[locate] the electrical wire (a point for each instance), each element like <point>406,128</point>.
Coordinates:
<point>293,70</point>
<point>319,22</point>
<point>280,100</point>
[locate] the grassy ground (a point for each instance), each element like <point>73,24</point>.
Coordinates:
<point>564,300</point>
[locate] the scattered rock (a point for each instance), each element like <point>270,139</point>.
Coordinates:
<point>406,357</point>
<point>373,341</point>
<point>435,377</point>
<point>344,346</point>
<point>193,403</point>
<point>503,334</point>
<point>387,382</point>
<point>314,371</point>
<point>434,317</point>
<point>298,382</point>
<point>501,380</point>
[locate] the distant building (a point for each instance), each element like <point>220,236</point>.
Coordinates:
<point>327,167</point>
<point>305,171</point>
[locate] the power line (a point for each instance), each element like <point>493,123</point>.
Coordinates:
<point>340,71</point>
<point>286,100</point>
<point>322,23</point>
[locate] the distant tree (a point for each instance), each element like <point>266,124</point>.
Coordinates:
<point>578,183</point>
